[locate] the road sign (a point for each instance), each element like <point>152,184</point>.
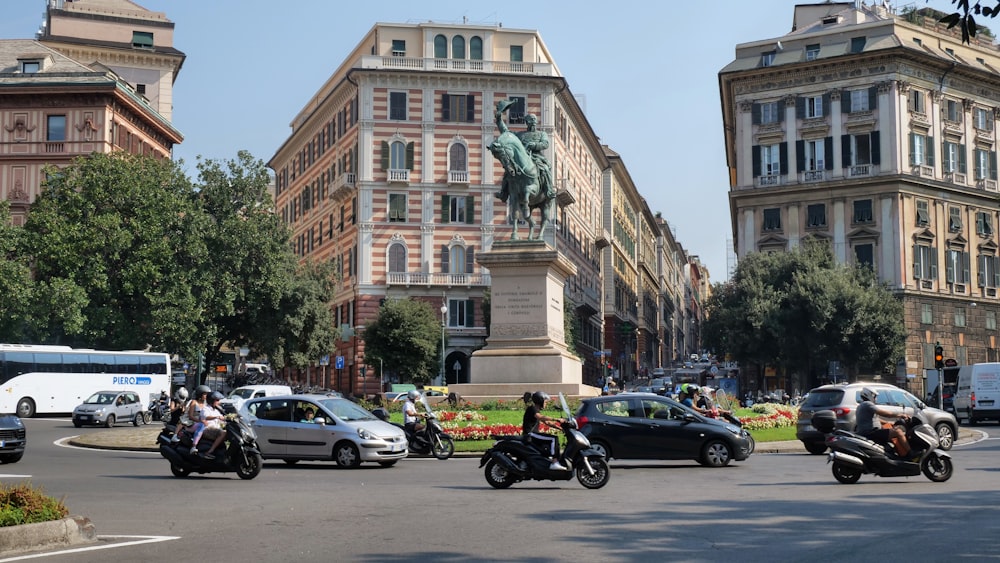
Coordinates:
<point>325,360</point>
<point>340,362</point>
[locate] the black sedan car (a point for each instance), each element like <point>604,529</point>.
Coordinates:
<point>649,426</point>
<point>13,438</point>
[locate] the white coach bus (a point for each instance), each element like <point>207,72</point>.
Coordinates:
<point>55,379</point>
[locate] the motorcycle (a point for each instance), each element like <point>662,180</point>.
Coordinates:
<point>512,459</point>
<point>431,440</point>
<point>853,455</point>
<point>158,409</point>
<point>238,453</point>
<point>722,400</point>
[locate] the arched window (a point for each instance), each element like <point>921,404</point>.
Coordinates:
<point>397,155</point>
<point>458,158</point>
<point>476,48</point>
<point>458,47</point>
<point>397,258</point>
<point>440,47</point>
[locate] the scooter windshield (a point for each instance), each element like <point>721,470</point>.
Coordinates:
<point>423,401</point>
<point>565,407</point>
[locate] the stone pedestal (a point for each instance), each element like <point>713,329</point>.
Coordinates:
<point>526,349</point>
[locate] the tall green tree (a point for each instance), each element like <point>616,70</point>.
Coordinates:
<point>406,336</point>
<point>301,329</point>
<point>248,264</point>
<point>15,280</point>
<point>110,242</point>
<point>800,309</point>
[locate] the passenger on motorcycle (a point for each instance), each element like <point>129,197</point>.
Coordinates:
<point>533,417</point>
<point>213,417</point>
<point>195,414</point>
<point>870,426</point>
<point>707,402</point>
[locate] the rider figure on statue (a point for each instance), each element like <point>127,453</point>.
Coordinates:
<point>534,142</point>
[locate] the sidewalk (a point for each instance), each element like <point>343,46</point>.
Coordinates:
<point>143,439</point>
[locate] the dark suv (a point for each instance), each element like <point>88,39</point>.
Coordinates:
<point>13,438</point>
<point>649,426</point>
<point>949,398</point>
<point>843,400</point>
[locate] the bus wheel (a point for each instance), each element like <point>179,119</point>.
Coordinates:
<point>26,407</point>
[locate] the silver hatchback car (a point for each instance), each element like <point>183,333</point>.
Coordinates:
<point>843,400</point>
<point>108,407</point>
<point>322,428</point>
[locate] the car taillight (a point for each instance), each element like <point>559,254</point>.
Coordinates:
<point>972,399</point>
<point>580,421</point>
<point>842,411</point>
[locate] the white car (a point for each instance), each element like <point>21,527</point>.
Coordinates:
<point>339,430</point>
<point>240,394</point>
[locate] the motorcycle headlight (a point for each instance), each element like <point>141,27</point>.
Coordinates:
<point>365,434</point>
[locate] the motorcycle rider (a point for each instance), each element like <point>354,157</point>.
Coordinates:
<point>693,392</point>
<point>177,404</point>
<point>529,428</point>
<point>411,418</point>
<point>870,426</point>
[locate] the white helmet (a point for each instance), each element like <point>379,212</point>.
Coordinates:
<point>412,394</point>
<point>181,394</point>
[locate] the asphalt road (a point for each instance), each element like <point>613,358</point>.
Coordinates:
<point>773,507</point>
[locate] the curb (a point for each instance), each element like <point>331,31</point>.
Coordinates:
<point>72,530</point>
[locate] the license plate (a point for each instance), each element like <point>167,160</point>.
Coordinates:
<point>986,403</point>
<point>2,443</point>
<point>84,417</point>
<point>397,448</point>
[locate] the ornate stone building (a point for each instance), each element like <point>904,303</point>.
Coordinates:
<point>875,132</point>
<point>73,91</point>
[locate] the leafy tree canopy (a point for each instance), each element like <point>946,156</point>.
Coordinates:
<point>801,309</point>
<point>406,336</point>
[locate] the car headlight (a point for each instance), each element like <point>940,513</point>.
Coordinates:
<point>99,411</point>
<point>734,429</point>
<point>365,434</point>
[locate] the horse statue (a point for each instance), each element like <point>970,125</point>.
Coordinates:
<point>522,185</point>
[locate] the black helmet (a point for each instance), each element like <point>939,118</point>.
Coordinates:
<point>216,396</point>
<point>202,390</point>
<point>539,398</point>
<point>692,389</point>
<point>868,394</point>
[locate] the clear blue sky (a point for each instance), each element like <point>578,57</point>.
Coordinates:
<point>646,72</point>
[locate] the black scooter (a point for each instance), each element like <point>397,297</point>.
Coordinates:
<point>238,453</point>
<point>853,455</point>
<point>431,440</point>
<point>513,459</point>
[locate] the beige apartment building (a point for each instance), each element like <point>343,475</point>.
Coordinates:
<point>386,172</point>
<point>875,131</point>
<point>69,93</point>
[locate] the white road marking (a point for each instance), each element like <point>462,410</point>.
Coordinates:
<point>13,476</point>
<point>64,443</point>
<point>138,540</point>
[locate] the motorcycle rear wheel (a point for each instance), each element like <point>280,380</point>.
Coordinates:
<point>442,447</point>
<point>937,469</point>
<point>249,468</point>
<point>498,477</point>
<point>179,471</point>
<point>601,476</point>
<point>846,474</point>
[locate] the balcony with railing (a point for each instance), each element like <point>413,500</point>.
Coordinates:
<point>955,178</point>
<point>344,182</point>
<point>428,279</point>
<point>769,180</point>
<point>986,184</point>
<point>399,175</point>
<point>813,175</point>
<point>861,170</point>
<point>587,301</point>
<point>457,65</point>
<point>458,177</point>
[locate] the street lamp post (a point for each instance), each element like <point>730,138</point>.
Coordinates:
<point>444,318</point>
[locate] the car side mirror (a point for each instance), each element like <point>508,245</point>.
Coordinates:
<point>319,420</point>
<point>688,417</point>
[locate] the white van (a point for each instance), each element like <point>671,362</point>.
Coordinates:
<point>241,394</point>
<point>978,394</point>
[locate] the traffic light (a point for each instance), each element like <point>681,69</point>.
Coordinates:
<point>938,357</point>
